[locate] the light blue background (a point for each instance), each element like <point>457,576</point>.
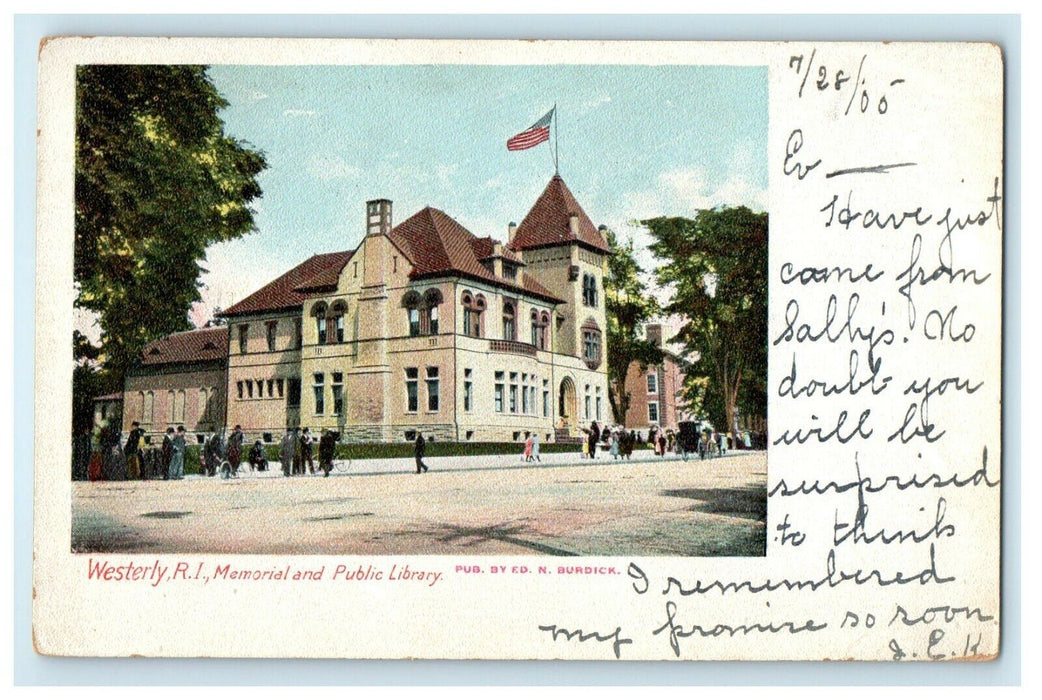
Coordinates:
<point>31,669</point>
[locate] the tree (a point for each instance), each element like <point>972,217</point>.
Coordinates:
<point>628,307</point>
<point>716,266</point>
<point>157,181</point>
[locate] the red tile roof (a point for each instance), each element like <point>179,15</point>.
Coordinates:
<point>546,223</point>
<point>191,346</point>
<point>317,273</point>
<point>437,244</point>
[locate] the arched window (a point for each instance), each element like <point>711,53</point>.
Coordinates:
<point>509,321</point>
<point>473,307</point>
<point>431,301</point>
<point>336,321</point>
<point>319,312</point>
<point>540,329</point>
<point>411,304</point>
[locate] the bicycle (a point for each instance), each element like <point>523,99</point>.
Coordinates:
<point>227,472</point>
<point>341,466</point>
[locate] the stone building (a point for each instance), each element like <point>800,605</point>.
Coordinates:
<point>423,326</point>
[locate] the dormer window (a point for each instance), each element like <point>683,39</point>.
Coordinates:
<point>509,271</point>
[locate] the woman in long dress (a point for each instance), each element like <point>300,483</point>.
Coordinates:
<point>614,444</point>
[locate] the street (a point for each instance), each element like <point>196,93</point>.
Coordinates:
<point>473,505</point>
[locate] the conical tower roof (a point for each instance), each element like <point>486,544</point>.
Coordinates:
<point>547,223</point>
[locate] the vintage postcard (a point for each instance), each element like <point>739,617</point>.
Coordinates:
<point>544,350</point>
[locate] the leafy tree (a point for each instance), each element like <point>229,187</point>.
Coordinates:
<point>716,266</point>
<point>628,307</point>
<point>157,181</point>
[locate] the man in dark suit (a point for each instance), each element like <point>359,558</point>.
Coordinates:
<point>421,448</point>
<point>132,451</point>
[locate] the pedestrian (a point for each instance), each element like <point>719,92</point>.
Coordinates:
<point>661,444</point>
<point>326,450</point>
<point>595,437</point>
<point>132,450</point>
<point>614,449</point>
<point>177,454</point>
<point>535,447</point>
<point>306,449</point>
<point>167,453</point>
<point>631,441</point>
<point>235,448</point>
<point>528,446</point>
<point>287,449</point>
<point>419,449</point>
<point>213,450</point>
<point>586,443</point>
<point>670,440</point>
<point>298,453</point>
<point>257,460</point>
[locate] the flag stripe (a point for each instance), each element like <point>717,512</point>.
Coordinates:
<point>528,139</point>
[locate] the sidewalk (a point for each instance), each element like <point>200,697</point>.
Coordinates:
<point>407,465</point>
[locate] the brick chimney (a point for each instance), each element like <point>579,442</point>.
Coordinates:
<point>511,232</point>
<point>497,259</point>
<point>573,224</point>
<point>378,217</point>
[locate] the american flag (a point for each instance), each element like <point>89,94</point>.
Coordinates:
<point>533,135</point>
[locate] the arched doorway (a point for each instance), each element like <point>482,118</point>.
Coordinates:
<point>568,406</point>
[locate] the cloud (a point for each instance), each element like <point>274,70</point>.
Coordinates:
<point>299,113</point>
<point>332,167</point>
<point>256,96</point>
<point>593,104</point>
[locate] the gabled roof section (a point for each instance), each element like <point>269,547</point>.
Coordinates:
<point>437,244</point>
<point>317,273</point>
<point>200,345</point>
<point>546,223</point>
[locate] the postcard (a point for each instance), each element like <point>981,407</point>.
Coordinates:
<point>518,350</point>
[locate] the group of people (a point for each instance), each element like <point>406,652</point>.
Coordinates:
<point>297,451</point>
<point>619,442</point>
<point>115,460</point>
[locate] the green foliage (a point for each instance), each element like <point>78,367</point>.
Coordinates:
<point>628,307</point>
<point>716,266</point>
<point>157,181</point>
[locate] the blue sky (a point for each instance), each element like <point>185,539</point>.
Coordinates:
<point>635,142</point>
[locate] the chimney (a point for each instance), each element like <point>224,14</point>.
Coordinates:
<point>511,232</point>
<point>573,224</point>
<point>497,259</point>
<point>654,333</point>
<point>378,217</point>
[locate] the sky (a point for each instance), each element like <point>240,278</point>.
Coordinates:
<point>634,142</point>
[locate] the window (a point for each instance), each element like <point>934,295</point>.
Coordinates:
<point>298,333</point>
<point>293,392</point>
<point>356,269</point>
<point>260,388</point>
<point>179,405</point>
<point>411,304</point>
<point>473,307</point>
<point>412,376</point>
<point>320,393</point>
<point>433,389</point>
<point>535,328</point>
<point>590,290</point>
<point>243,331</point>
<point>591,344</point>
<point>431,302</point>
<point>500,376</point>
<point>546,398</point>
<point>468,391</point>
<point>587,403</point>
<point>653,411</point>
<point>414,322</point>
<point>173,406</point>
<point>238,386</point>
<point>540,328</point>
<point>279,384</point>
<point>269,329</point>
<point>509,321</point>
<point>338,393</point>
<point>336,322</point>
<point>249,388</point>
<point>271,388</point>
<point>524,393</point>
<point>513,392</point>
<point>598,403</point>
<point>652,382</point>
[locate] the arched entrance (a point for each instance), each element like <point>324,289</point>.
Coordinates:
<point>568,406</point>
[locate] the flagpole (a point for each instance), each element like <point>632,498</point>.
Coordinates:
<point>557,148</point>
